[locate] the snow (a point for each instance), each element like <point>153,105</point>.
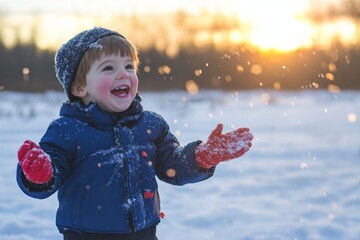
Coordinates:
<point>300,179</point>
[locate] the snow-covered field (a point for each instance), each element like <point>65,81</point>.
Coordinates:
<point>300,180</point>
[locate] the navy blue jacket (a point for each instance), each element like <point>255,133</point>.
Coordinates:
<point>105,166</point>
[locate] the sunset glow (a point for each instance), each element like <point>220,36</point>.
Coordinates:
<point>279,25</point>
<point>280,34</point>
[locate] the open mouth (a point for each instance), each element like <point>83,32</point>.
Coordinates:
<point>121,91</point>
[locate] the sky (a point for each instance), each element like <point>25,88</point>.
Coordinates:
<point>138,6</point>
<point>276,24</point>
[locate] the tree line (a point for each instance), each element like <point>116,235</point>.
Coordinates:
<point>26,68</point>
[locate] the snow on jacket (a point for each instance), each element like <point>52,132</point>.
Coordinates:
<point>105,166</point>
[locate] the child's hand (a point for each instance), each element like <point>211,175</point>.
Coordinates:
<point>222,147</point>
<point>34,163</point>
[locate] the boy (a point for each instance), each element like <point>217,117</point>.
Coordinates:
<point>103,153</point>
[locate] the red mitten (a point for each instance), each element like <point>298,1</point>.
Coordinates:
<point>222,147</point>
<point>34,163</point>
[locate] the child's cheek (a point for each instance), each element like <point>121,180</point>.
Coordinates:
<point>104,88</point>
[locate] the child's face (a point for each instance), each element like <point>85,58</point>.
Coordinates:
<point>112,83</point>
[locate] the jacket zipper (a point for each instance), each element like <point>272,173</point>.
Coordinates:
<point>127,190</point>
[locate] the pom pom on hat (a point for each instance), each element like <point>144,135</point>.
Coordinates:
<point>68,57</point>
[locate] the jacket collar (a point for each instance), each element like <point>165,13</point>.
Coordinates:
<point>97,117</point>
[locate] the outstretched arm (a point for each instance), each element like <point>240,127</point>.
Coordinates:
<point>223,147</point>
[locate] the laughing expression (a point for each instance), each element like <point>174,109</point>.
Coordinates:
<point>112,83</point>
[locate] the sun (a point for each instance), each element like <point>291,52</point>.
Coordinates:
<point>275,25</point>
<point>280,34</point>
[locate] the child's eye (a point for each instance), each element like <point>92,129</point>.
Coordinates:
<point>129,66</point>
<point>108,68</point>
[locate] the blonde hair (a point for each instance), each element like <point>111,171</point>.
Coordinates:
<point>106,46</point>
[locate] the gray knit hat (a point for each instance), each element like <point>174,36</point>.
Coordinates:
<point>68,57</point>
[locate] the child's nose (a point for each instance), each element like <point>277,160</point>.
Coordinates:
<point>122,74</point>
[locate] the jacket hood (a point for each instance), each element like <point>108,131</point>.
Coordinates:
<point>99,118</point>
